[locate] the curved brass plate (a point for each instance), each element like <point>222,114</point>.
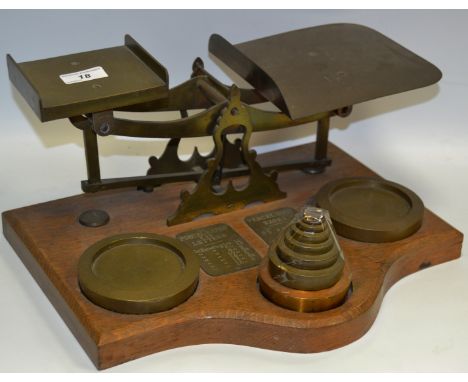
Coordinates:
<point>326,67</point>
<point>138,273</point>
<point>371,210</point>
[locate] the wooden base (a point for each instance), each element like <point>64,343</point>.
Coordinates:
<point>224,309</point>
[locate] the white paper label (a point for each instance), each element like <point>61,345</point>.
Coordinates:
<point>84,75</point>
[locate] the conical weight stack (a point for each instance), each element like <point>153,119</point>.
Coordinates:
<point>305,268</point>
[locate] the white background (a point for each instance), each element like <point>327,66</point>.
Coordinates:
<point>418,139</point>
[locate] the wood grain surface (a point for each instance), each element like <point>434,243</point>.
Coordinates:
<point>224,309</point>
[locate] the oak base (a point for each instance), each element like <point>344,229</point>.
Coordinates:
<point>224,309</point>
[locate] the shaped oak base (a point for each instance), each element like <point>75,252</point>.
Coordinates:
<point>224,309</point>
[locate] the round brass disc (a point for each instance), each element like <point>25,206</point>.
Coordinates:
<point>138,273</point>
<point>371,210</point>
<point>303,300</point>
<point>304,279</point>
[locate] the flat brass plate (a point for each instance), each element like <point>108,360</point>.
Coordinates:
<point>221,249</point>
<point>133,76</point>
<point>371,210</point>
<point>269,224</point>
<point>138,273</point>
<point>323,68</point>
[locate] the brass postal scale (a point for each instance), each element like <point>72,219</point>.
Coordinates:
<point>291,250</point>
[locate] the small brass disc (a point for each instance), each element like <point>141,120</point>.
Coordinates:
<point>94,218</point>
<point>371,210</point>
<point>138,273</point>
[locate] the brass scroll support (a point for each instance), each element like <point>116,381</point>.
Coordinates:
<point>208,197</point>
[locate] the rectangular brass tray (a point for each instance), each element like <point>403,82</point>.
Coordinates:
<point>133,76</point>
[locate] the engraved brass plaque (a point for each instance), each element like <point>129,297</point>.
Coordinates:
<point>221,249</point>
<point>269,224</point>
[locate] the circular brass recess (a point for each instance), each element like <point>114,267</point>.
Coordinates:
<point>138,273</point>
<point>371,210</point>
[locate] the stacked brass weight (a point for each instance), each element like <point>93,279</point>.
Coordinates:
<point>305,269</point>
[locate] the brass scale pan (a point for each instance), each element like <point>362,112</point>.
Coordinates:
<point>138,273</point>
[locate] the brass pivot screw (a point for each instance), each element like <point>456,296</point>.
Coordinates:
<point>105,128</point>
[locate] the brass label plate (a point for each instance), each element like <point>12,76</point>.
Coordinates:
<point>269,224</point>
<point>221,249</point>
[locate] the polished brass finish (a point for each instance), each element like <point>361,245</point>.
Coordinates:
<point>134,76</point>
<point>300,300</point>
<point>306,255</point>
<point>305,269</point>
<point>91,155</point>
<point>94,218</point>
<point>188,95</point>
<point>138,273</point>
<point>205,198</point>
<point>311,74</point>
<point>326,67</point>
<point>142,182</point>
<point>269,224</point>
<point>200,124</point>
<point>221,249</point>
<point>321,145</point>
<point>169,168</point>
<point>169,162</point>
<point>371,210</point>
<point>202,91</point>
